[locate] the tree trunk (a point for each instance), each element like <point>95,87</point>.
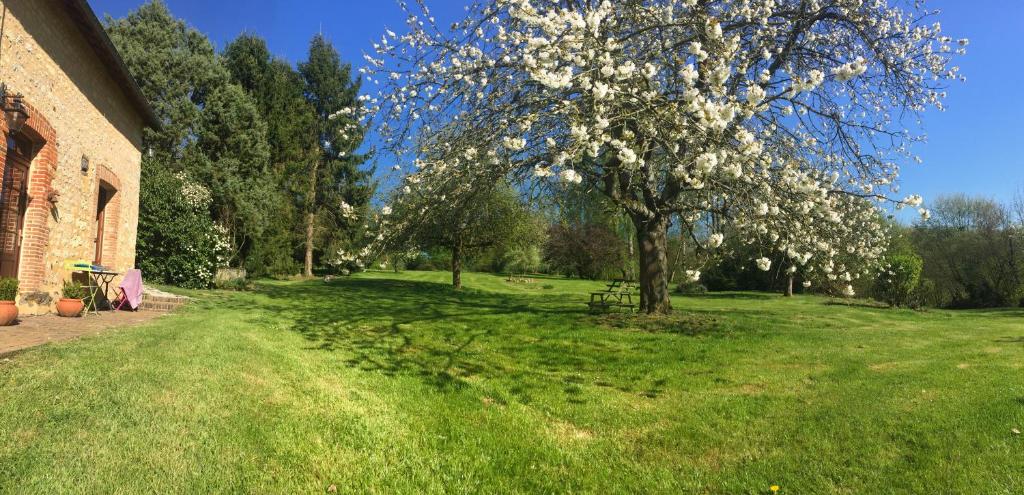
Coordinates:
<point>628,272</point>
<point>457,265</point>
<point>310,220</point>
<point>652,241</point>
<point>789,286</point>
<point>311,217</point>
<point>680,253</point>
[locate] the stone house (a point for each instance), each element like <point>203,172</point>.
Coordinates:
<point>71,173</point>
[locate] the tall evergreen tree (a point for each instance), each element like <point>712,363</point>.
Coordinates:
<point>278,90</point>
<point>248,60</point>
<point>335,175</point>
<point>232,158</point>
<point>176,68</point>
<point>212,130</point>
<point>254,132</point>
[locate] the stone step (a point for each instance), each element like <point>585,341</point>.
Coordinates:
<point>162,307</point>
<point>163,299</point>
<point>157,300</point>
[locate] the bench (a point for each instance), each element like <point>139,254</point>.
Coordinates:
<point>618,295</point>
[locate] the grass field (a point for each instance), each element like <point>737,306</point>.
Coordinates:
<point>388,383</point>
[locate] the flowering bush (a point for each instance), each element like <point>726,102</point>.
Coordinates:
<point>195,195</point>
<point>178,243</point>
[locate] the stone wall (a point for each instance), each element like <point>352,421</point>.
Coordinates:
<point>79,111</point>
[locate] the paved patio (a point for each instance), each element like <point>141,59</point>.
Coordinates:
<point>31,331</point>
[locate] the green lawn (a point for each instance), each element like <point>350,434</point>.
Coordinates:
<point>389,383</point>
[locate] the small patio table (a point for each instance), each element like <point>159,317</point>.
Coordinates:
<point>99,283</point>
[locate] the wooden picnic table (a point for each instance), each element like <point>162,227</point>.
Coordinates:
<point>619,294</point>
<point>621,284</point>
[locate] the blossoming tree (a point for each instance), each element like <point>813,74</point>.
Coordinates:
<point>787,119</point>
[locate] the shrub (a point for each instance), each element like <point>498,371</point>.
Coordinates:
<point>73,290</point>
<point>239,284</point>
<point>689,288</point>
<point>178,243</point>
<point>897,281</point>
<point>521,260</point>
<point>592,251</point>
<point>927,295</point>
<point>427,261</point>
<point>8,289</point>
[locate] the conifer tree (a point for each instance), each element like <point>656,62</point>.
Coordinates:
<point>334,178</point>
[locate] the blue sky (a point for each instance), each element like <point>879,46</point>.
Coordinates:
<point>976,146</point>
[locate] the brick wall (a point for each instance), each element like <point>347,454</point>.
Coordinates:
<point>78,110</point>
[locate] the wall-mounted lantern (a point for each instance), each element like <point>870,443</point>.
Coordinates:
<point>85,164</point>
<point>14,110</point>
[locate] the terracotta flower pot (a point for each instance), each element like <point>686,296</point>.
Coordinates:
<point>70,307</point>
<point>8,313</point>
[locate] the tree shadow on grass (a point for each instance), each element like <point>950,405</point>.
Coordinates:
<point>857,303</point>
<point>739,296</point>
<point>1011,340</point>
<point>415,328</point>
<point>692,323</point>
<point>519,343</point>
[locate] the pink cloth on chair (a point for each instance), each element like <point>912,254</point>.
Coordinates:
<point>131,286</point>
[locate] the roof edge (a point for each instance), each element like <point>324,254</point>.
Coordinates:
<point>82,14</point>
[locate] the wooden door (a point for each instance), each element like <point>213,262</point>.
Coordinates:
<point>101,214</point>
<point>13,203</point>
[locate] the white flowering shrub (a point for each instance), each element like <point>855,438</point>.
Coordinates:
<point>195,195</point>
<point>178,243</point>
<point>786,119</point>
<point>220,238</point>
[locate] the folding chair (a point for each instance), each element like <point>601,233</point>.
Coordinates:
<point>130,291</point>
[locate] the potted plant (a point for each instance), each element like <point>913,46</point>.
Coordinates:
<point>8,293</point>
<point>71,305</point>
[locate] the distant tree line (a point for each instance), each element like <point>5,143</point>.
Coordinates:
<point>573,233</point>
<point>969,254</point>
<point>254,158</point>
<point>973,253</point>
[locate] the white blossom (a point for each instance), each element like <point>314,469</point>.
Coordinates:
<point>570,176</point>
<point>672,110</point>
